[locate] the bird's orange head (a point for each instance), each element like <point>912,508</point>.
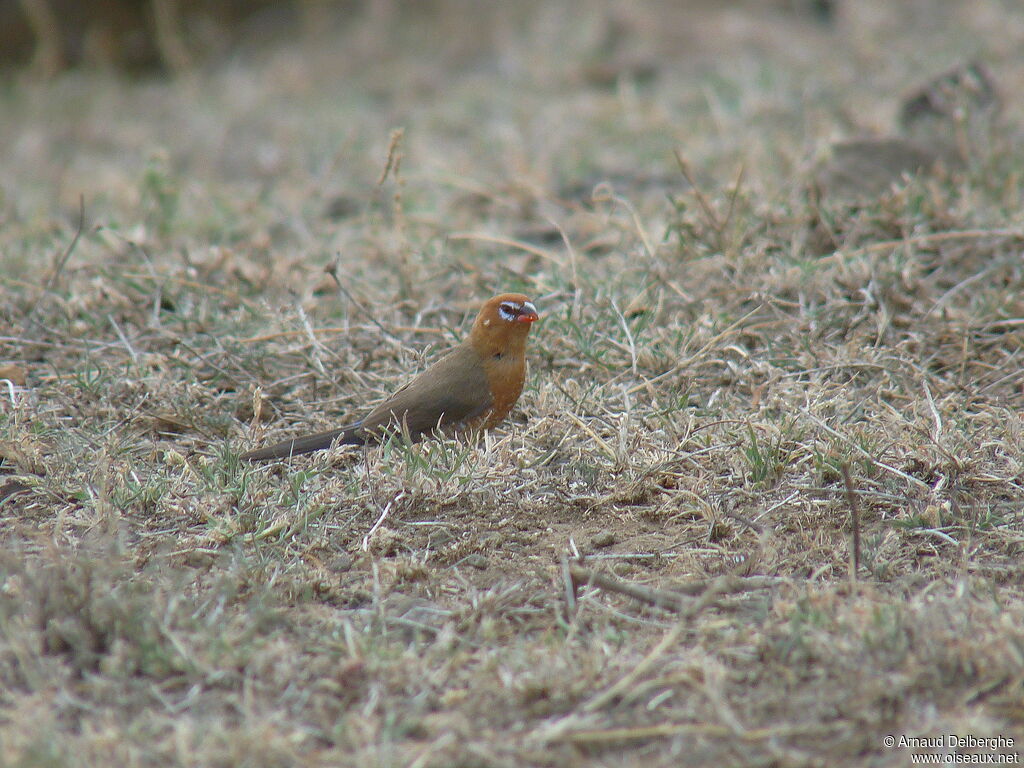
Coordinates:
<point>503,323</point>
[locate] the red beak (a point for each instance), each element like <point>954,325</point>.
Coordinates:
<point>528,314</point>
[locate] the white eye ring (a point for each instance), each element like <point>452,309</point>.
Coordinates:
<point>509,311</point>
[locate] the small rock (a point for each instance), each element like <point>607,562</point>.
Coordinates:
<point>603,539</point>
<point>341,563</point>
<point>199,558</point>
<point>342,207</point>
<point>476,560</point>
<point>863,169</point>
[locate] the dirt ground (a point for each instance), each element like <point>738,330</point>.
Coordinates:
<point>761,501</point>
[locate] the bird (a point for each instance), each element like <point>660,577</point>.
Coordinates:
<point>470,389</point>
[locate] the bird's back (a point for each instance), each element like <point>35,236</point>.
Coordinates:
<point>451,395</point>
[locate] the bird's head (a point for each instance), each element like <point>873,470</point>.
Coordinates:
<point>503,322</point>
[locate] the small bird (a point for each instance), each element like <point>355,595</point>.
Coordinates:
<point>471,388</point>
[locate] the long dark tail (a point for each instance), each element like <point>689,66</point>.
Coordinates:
<point>350,435</point>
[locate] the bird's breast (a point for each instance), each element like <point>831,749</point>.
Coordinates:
<point>506,377</point>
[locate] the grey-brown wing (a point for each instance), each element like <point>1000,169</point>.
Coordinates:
<point>452,391</point>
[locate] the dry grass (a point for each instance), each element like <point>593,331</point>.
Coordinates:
<point>713,357</point>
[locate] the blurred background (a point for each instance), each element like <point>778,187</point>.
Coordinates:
<point>266,125</point>
<point>163,35</point>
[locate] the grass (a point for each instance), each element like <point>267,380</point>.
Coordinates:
<point>650,563</point>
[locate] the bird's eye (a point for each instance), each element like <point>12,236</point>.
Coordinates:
<point>509,310</point>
